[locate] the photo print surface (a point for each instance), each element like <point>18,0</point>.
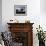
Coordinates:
<point>20,10</point>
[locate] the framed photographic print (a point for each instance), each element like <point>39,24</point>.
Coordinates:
<point>20,10</point>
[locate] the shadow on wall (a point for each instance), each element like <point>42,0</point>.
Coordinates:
<point>0,15</point>
<point>43,6</point>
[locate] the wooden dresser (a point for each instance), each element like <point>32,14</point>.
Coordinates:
<point>22,33</point>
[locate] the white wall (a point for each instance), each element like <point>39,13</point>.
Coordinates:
<point>0,15</point>
<point>33,10</point>
<point>43,6</point>
<point>43,14</point>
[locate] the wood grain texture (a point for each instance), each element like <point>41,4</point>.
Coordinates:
<point>22,27</point>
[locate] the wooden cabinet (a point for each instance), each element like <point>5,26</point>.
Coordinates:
<point>22,33</point>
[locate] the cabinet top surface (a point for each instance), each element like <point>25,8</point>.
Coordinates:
<point>19,23</point>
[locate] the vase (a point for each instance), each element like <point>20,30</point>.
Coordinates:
<point>41,43</point>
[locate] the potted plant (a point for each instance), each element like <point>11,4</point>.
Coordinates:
<point>41,36</point>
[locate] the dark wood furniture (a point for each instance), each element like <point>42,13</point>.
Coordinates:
<point>22,33</point>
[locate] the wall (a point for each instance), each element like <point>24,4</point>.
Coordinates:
<point>0,15</point>
<point>33,10</point>
<point>43,14</point>
<point>43,6</point>
<point>34,14</point>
